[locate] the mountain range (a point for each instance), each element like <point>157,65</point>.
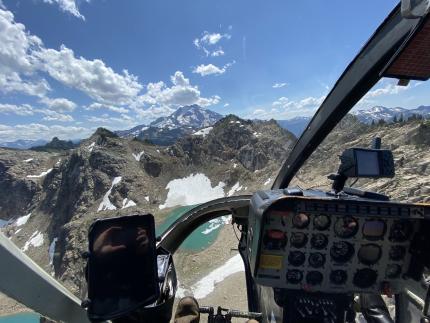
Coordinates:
<point>377,113</point>
<point>187,120</point>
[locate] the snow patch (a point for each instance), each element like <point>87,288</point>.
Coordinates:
<point>51,250</point>
<point>206,285</point>
<point>147,198</point>
<point>91,147</point>
<point>158,151</point>
<point>203,132</point>
<point>58,162</point>
<point>28,160</point>
<point>127,203</point>
<point>18,231</point>
<point>42,174</point>
<point>106,203</point>
<point>194,189</point>
<point>36,240</point>
<point>216,223</point>
<point>138,156</point>
<point>234,165</point>
<point>236,187</point>
<point>268,181</point>
<point>22,220</point>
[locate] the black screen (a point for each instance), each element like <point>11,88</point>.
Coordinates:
<point>122,266</point>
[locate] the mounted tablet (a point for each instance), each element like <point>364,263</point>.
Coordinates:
<point>122,266</point>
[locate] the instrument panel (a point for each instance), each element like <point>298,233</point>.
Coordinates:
<point>334,246</point>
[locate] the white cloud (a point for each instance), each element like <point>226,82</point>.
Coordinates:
<point>100,106</point>
<point>210,69</point>
<point>58,104</point>
<point>69,6</point>
<point>21,110</point>
<point>279,85</point>
<point>208,40</point>
<point>384,87</point>
<point>226,105</point>
<point>55,116</point>
<point>284,108</point>
<point>181,93</point>
<point>92,77</point>
<point>218,52</point>
<point>38,131</point>
<point>23,57</point>
<point>114,123</point>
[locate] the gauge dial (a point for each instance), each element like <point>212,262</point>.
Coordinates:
<point>338,277</point>
<point>316,259</point>
<point>298,239</point>
<point>275,240</point>
<point>369,254</point>
<point>397,253</point>
<point>364,278</point>
<point>400,231</point>
<point>393,271</point>
<point>319,241</point>
<point>341,251</point>
<point>374,229</point>
<point>346,227</point>
<point>314,278</point>
<point>296,258</point>
<point>294,276</point>
<point>300,220</point>
<point>322,222</point>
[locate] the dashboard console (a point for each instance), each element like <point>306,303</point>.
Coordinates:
<point>332,244</point>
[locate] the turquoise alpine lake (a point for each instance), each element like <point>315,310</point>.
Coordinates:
<point>20,318</point>
<point>201,238</point>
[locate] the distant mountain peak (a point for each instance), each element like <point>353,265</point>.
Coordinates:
<point>378,112</point>
<point>166,130</point>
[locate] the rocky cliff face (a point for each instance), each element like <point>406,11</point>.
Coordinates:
<point>409,142</point>
<point>57,196</point>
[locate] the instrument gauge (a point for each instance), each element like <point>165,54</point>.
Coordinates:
<point>298,239</point>
<point>300,220</point>
<point>296,258</point>
<point>374,229</point>
<point>365,278</point>
<point>322,222</point>
<point>314,278</point>
<point>393,271</point>
<point>316,259</point>
<point>319,241</point>
<point>346,227</point>
<point>369,254</point>
<point>341,251</point>
<point>338,277</point>
<point>397,253</point>
<point>400,231</point>
<point>294,276</point>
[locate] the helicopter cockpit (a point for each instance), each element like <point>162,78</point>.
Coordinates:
<point>309,255</point>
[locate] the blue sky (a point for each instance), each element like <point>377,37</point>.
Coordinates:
<point>70,66</point>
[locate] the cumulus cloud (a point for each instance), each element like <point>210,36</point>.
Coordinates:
<point>20,110</point>
<point>37,131</point>
<point>279,85</point>
<point>58,104</point>
<point>23,59</point>
<point>284,108</point>
<point>208,40</point>
<point>50,115</point>
<point>69,6</point>
<point>101,106</point>
<point>210,69</point>
<point>92,77</point>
